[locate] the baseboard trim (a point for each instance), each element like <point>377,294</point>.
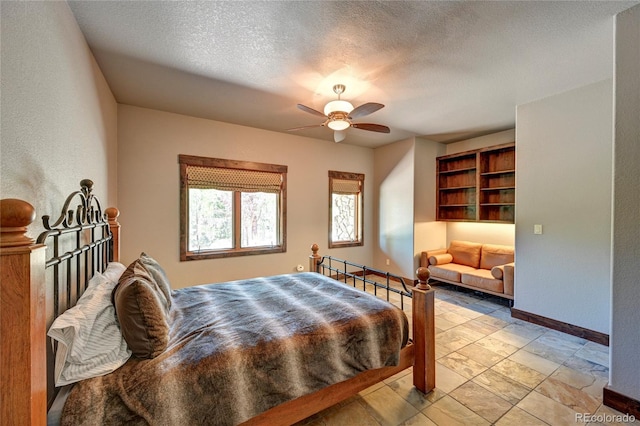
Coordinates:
<point>620,402</point>
<point>574,330</point>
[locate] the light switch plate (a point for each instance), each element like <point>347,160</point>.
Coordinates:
<point>537,229</point>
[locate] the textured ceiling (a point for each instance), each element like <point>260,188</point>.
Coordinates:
<point>445,70</point>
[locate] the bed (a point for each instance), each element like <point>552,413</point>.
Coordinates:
<point>43,279</point>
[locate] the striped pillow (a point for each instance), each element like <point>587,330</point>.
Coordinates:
<point>89,340</point>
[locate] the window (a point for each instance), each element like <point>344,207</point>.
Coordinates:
<point>345,209</point>
<point>231,208</point>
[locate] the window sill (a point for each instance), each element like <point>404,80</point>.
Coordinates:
<point>346,244</point>
<point>218,254</point>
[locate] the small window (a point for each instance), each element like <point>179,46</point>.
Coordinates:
<point>231,208</point>
<point>346,193</point>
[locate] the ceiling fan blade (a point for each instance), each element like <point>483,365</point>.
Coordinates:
<point>311,110</point>
<point>339,135</point>
<point>371,127</point>
<point>305,127</point>
<point>365,109</point>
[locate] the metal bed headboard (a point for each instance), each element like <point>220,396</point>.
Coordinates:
<point>79,244</point>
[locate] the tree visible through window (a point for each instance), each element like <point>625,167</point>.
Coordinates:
<point>345,212</point>
<point>231,208</point>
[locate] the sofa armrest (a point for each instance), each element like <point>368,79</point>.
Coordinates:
<point>505,273</point>
<point>509,272</point>
<point>424,257</point>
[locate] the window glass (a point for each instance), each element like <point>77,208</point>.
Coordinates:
<point>210,219</point>
<point>259,219</point>
<point>346,195</point>
<point>344,225</point>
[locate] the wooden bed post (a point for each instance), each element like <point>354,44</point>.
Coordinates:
<point>424,369</point>
<point>23,366</point>
<point>314,258</point>
<point>114,227</point>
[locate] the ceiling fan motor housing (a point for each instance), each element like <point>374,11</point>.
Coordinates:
<point>339,89</point>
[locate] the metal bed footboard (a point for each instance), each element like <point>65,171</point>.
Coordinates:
<point>355,274</point>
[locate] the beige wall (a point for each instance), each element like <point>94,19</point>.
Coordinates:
<point>428,233</point>
<point>564,183</point>
<point>58,122</point>
<point>393,206</point>
<point>498,138</point>
<point>625,269</point>
<point>148,182</point>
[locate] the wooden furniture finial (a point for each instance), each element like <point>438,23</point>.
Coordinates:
<point>15,216</point>
<point>423,278</point>
<point>114,226</point>
<point>314,258</point>
<point>112,214</point>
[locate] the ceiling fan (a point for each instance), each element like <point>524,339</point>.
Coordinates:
<point>338,115</point>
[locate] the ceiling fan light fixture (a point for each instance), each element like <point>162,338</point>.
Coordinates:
<point>338,106</point>
<point>338,124</point>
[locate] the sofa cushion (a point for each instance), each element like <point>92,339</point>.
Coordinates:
<point>494,255</point>
<point>466,253</point>
<point>482,279</point>
<point>449,271</point>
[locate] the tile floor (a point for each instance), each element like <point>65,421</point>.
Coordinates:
<point>490,369</point>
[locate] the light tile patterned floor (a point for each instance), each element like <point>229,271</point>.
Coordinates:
<point>490,369</point>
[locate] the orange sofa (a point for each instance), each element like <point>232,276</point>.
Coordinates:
<point>484,267</point>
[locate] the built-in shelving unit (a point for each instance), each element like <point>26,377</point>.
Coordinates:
<point>477,185</point>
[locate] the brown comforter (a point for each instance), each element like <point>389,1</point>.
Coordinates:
<point>237,349</point>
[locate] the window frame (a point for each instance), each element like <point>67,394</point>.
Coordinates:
<point>359,213</point>
<point>190,160</point>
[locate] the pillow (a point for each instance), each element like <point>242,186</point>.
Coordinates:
<point>142,311</point>
<point>89,340</point>
<point>158,274</point>
<point>114,271</point>
<point>465,253</point>
<point>440,259</point>
<point>138,268</point>
<point>497,272</point>
<point>494,255</point>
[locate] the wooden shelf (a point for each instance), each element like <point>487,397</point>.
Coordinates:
<point>499,172</point>
<point>466,169</point>
<point>458,188</point>
<point>477,186</point>
<point>497,188</point>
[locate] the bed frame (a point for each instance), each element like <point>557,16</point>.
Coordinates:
<point>42,278</point>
